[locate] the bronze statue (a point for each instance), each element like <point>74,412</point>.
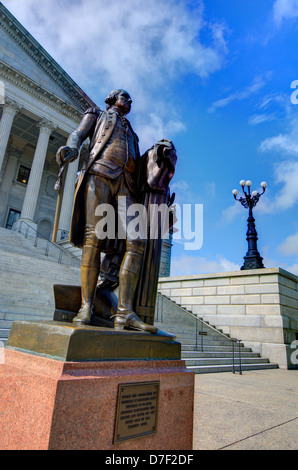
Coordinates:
<point>114,169</point>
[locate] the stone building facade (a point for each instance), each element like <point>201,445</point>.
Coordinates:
<point>40,105</point>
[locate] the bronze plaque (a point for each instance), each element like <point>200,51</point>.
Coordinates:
<point>137,410</point>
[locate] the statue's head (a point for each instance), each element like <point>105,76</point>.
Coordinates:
<point>120,99</point>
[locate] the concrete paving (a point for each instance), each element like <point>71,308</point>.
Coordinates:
<point>254,411</point>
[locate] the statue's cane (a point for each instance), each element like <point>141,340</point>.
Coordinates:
<point>59,187</point>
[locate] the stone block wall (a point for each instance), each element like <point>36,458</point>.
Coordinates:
<point>259,307</point>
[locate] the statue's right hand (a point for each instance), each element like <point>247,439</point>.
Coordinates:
<point>66,155</point>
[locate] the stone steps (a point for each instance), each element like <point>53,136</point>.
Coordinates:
<point>229,368</point>
<point>37,282</point>
<point>214,347</point>
<point>206,343</point>
<point>189,355</point>
<point>26,281</point>
<point>211,352</point>
<point>15,310</point>
<point>4,333</point>
<point>19,264</point>
<point>76,252</point>
<point>15,242</point>
<point>5,324</point>
<point>187,331</point>
<point>211,361</point>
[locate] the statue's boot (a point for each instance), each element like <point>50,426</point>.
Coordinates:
<point>128,281</point>
<point>131,320</point>
<point>89,278</point>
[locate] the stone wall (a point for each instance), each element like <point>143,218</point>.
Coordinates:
<point>259,307</point>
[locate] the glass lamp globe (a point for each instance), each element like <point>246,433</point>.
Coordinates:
<point>235,192</point>
<point>248,183</point>
<point>242,183</point>
<point>254,193</point>
<point>264,184</point>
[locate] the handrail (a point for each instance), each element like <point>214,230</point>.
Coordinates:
<point>197,319</point>
<point>49,242</point>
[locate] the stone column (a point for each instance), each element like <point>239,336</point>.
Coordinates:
<point>14,155</point>
<point>9,112</point>
<point>67,202</point>
<point>32,192</point>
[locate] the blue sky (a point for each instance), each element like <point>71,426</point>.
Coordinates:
<point>215,77</point>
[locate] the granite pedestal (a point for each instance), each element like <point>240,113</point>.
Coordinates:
<point>51,402</point>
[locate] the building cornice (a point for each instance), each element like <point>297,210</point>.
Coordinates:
<point>34,50</point>
<point>9,74</point>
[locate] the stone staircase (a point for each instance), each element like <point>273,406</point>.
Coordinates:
<point>205,349</point>
<point>15,242</point>
<point>27,277</point>
<point>71,250</point>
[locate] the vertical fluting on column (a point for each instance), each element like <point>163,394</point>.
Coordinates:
<point>14,155</point>
<point>67,202</point>
<point>32,192</point>
<point>10,110</point>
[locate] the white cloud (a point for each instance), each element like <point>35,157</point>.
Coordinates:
<point>272,107</point>
<point>258,83</point>
<point>139,45</point>
<point>187,194</point>
<point>286,176</point>
<point>229,214</point>
<point>279,99</point>
<point>188,265</point>
<point>271,263</point>
<point>260,118</point>
<point>286,172</point>
<point>292,269</point>
<point>290,245</point>
<point>155,128</point>
<point>183,192</point>
<point>284,143</point>
<point>284,10</point>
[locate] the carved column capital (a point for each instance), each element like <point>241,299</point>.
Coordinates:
<point>10,109</point>
<point>46,126</point>
<point>46,123</point>
<point>11,106</point>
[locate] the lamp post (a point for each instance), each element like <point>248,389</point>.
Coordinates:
<point>252,260</point>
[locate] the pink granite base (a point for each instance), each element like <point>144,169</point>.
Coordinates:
<point>53,405</point>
